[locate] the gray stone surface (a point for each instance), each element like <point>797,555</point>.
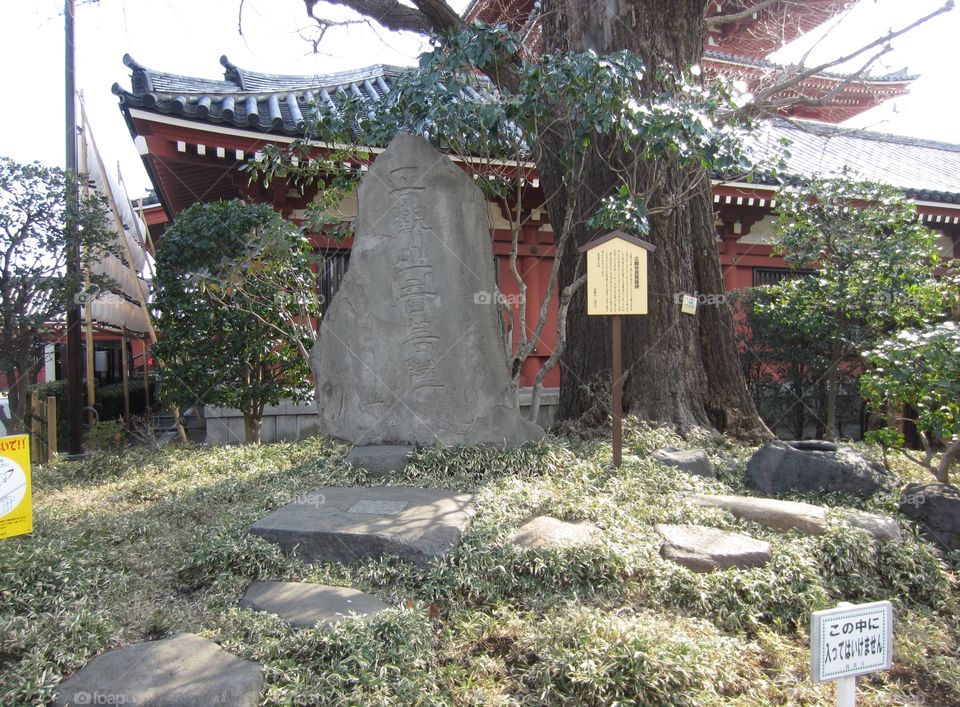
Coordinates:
<point>182,671</point>
<point>306,605</point>
<point>380,459</point>
<point>936,510</point>
<point>338,524</point>
<point>544,532</point>
<point>804,518</point>
<point>691,461</point>
<point>703,549</point>
<point>813,466</point>
<point>410,351</point>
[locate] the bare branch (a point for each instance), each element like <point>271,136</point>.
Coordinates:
<point>800,76</point>
<point>743,14</point>
<point>390,13</point>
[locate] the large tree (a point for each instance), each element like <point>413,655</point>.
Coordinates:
<point>680,369</point>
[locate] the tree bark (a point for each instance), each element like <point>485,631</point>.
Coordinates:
<point>680,369</point>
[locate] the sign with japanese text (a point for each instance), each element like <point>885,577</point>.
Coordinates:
<point>617,275</point>
<point>16,505</point>
<point>851,640</point>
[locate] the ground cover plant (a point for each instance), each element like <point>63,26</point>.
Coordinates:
<point>140,544</point>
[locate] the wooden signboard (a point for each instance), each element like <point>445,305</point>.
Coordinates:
<point>617,285</point>
<point>617,274</point>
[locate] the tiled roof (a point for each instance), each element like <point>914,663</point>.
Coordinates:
<point>924,169</point>
<point>900,76</point>
<point>248,99</point>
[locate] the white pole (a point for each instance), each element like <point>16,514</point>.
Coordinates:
<point>846,692</point>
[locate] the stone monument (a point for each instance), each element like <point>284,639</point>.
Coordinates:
<point>410,350</point>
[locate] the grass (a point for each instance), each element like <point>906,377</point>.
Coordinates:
<point>145,544</point>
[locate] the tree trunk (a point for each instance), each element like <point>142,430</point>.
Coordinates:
<point>252,424</point>
<point>833,386</point>
<point>679,369</point>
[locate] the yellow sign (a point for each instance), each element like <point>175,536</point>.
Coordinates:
<point>617,275</point>
<point>16,503</point>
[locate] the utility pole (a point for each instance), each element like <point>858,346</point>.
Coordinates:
<point>74,390</point>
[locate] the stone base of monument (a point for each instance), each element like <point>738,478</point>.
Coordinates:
<point>379,459</point>
<point>336,524</point>
<point>182,671</point>
<point>703,549</point>
<point>307,605</point>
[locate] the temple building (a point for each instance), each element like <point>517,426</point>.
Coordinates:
<point>194,134</point>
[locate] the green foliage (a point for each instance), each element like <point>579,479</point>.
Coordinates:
<point>36,286</point>
<point>235,326</point>
<point>872,272</point>
<point>148,543</point>
<point>919,368</point>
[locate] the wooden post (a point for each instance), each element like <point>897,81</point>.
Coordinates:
<point>125,364</point>
<point>146,378</point>
<point>51,426</point>
<point>35,431</point>
<point>617,390</point>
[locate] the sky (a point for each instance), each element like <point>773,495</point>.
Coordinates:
<point>189,36</point>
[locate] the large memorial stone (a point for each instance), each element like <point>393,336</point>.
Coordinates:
<point>410,350</point>
<point>339,524</point>
<point>182,671</point>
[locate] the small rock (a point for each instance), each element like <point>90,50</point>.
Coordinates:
<point>804,518</point>
<point>936,509</point>
<point>380,459</point>
<point>770,512</point>
<point>815,467</point>
<point>882,528</point>
<point>337,524</point>
<point>182,671</point>
<point>691,461</point>
<point>306,605</point>
<point>703,549</point>
<point>544,532</point>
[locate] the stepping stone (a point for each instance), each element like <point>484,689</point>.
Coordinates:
<point>703,549</point>
<point>341,524</point>
<point>379,460</point>
<point>306,605</point>
<point>804,518</point>
<point>182,671</point>
<point>691,461</point>
<point>544,532</point>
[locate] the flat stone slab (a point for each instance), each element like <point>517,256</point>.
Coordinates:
<point>379,459</point>
<point>307,605</point>
<point>703,549</point>
<point>804,518</point>
<point>342,524</point>
<point>690,461</point>
<point>544,532</point>
<point>182,671</point>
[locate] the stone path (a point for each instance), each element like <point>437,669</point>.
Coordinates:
<point>703,549</point>
<point>182,671</point>
<point>804,518</point>
<point>544,532</point>
<point>307,605</point>
<point>337,524</point>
